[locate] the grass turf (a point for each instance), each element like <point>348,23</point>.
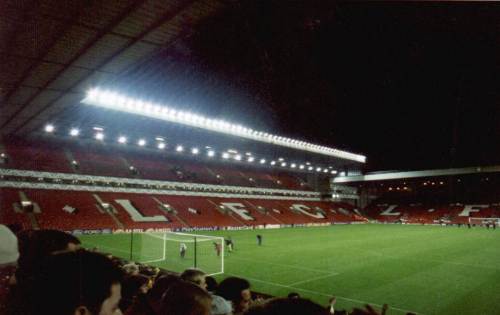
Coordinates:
<point>423,269</point>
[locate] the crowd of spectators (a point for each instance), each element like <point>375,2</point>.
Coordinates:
<point>46,272</point>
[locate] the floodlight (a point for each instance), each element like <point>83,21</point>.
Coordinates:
<point>225,155</point>
<point>251,159</point>
<point>211,153</point>
<point>116,101</point>
<point>122,139</point>
<point>310,168</point>
<point>98,128</point>
<point>161,145</point>
<point>301,166</point>
<point>318,169</point>
<point>74,132</point>
<point>237,157</point>
<point>195,151</point>
<point>159,138</point>
<point>281,159</point>
<point>293,165</point>
<point>262,161</point>
<point>179,148</point>
<point>283,164</point>
<point>141,142</point>
<point>334,172</point>
<point>49,128</point>
<point>273,162</point>
<point>325,170</point>
<point>99,136</point>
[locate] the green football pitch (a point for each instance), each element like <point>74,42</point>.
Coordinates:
<point>422,269</point>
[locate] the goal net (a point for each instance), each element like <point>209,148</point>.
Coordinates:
<point>179,251</point>
<point>484,221</point>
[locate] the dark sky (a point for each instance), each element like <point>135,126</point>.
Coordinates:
<point>407,84</point>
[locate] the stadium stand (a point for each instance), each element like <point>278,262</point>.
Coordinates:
<point>436,201</point>
<point>29,156</point>
<point>71,210</point>
<point>94,160</point>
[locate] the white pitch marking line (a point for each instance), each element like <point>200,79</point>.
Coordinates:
<point>151,261</point>
<point>314,279</point>
<point>324,294</point>
<point>281,265</point>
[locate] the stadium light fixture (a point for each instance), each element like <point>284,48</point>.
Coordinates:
<point>318,169</point>
<point>262,161</point>
<point>283,164</point>
<point>211,153</point>
<point>225,155</point>
<point>49,128</point>
<point>325,170</point>
<point>237,157</point>
<point>161,145</point>
<point>96,128</point>
<point>310,168</point>
<point>301,166</point>
<point>281,159</point>
<point>179,148</point>
<point>122,139</point>
<point>74,132</point>
<point>251,159</point>
<point>116,101</point>
<point>141,142</point>
<point>334,172</point>
<point>273,162</point>
<point>159,139</point>
<point>195,151</point>
<point>293,165</point>
<point>99,136</point>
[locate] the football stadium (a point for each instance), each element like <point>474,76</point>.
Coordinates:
<point>249,157</point>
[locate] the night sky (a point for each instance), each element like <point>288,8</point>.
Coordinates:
<point>410,85</point>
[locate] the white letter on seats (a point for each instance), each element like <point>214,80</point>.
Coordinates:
<point>136,215</point>
<point>235,207</point>
<point>471,208</point>
<point>303,209</point>
<point>388,211</point>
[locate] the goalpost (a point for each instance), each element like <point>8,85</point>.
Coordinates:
<point>483,221</point>
<point>163,249</point>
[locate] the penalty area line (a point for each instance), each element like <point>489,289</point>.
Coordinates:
<point>314,279</point>
<point>402,310</point>
<point>282,265</point>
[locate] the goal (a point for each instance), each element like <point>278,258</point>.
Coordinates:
<point>164,250</point>
<point>484,221</point>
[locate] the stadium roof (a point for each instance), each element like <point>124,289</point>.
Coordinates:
<point>393,82</point>
<point>55,50</point>
<point>378,176</point>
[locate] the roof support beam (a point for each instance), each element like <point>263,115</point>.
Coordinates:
<point>168,16</point>
<point>80,53</point>
<point>44,51</point>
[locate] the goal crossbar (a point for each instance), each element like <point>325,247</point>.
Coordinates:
<point>199,252</point>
